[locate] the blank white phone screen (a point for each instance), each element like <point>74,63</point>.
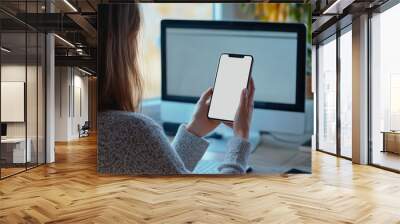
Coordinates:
<point>232,77</point>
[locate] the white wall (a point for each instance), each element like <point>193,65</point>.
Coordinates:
<point>70,83</point>
<point>62,81</point>
<point>79,117</point>
<point>33,126</point>
<point>12,73</point>
<point>13,100</point>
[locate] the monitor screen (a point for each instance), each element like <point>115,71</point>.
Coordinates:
<point>191,50</point>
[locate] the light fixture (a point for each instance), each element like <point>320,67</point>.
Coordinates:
<point>337,7</point>
<point>70,5</point>
<point>84,71</point>
<point>65,41</point>
<point>79,51</point>
<point>5,50</point>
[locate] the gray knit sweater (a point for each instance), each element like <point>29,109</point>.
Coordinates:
<point>132,143</point>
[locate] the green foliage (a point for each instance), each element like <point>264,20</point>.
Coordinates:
<point>281,12</point>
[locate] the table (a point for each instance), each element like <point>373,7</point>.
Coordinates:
<point>269,156</point>
<point>13,150</point>
<point>391,141</point>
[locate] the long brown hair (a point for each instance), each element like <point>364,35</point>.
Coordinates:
<point>121,84</point>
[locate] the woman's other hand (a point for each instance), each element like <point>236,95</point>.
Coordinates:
<point>201,125</point>
<point>244,113</point>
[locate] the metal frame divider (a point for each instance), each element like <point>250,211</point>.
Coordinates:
<point>338,75</point>
<point>338,153</point>
<point>44,70</point>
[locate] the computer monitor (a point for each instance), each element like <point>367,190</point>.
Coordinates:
<point>3,130</point>
<point>190,51</point>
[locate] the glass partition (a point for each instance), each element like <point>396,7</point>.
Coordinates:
<point>327,95</point>
<point>31,99</point>
<point>41,97</point>
<point>23,91</point>
<point>14,145</point>
<point>385,89</point>
<point>346,93</point>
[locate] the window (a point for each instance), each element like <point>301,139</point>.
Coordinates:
<point>385,89</point>
<point>326,92</point>
<point>346,92</point>
<point>149,41</point>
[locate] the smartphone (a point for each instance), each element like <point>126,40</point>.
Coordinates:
<point>233,74</point>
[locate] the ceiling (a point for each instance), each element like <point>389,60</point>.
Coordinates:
<point>328,15</point>
<point>76,22</point>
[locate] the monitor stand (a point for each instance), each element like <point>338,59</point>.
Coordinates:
<point>218,142</point>
<point>216,151</point>
<point>218,139</point>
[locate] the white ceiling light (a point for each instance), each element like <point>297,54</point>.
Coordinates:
<point>5,50</point>
<point>332,8</point>
<point>338,6</point>
<point>79,51</point>
<point>65,41</point>
<point>70,5</point>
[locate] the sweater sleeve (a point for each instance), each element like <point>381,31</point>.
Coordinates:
<point>132,143</point>
<point>180,157</point>
<point>236,159</point>
<point>189,147</point>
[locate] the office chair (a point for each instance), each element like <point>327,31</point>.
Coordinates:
<point>84,130</point>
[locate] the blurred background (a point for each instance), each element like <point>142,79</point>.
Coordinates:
<point>278,148</point>
<point>31,54</point>
<point>267,12</point>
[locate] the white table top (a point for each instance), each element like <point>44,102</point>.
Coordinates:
<point>13,140</point>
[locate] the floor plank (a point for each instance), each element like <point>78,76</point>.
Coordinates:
<point>70,191</point>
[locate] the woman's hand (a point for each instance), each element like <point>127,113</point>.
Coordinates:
<point>201,125</point>
<point>244,113</point>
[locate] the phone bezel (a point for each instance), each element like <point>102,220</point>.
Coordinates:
<point>216,74</point>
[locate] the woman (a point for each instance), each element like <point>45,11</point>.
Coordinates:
<point>130,142</point>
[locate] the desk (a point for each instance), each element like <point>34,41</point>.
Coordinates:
<point>269,157</point>
<point>13,150</point>
<point>391,141</point>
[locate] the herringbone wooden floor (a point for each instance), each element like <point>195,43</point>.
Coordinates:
<point>70,191</point>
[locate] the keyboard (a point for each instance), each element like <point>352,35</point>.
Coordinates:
<point>207,167</point>
<point>211,167</point>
